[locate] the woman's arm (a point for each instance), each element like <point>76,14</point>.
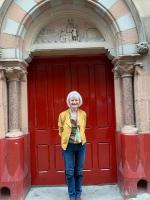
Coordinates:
<point>60,125</point>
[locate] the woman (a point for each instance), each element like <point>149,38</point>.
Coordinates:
<point>71,125</point>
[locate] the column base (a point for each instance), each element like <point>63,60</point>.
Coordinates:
<point>15,172</point>
<point>15,133</point>
<point>133,160</point>
<point>129,129</point>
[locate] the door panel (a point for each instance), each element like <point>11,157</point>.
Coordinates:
<point>49,82</point>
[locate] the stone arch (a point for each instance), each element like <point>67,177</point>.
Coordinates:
<point>119,29</point>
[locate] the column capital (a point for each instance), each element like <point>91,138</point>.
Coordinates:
<point>124,66</point>
<point>2,75</point>
<point>14,70</point>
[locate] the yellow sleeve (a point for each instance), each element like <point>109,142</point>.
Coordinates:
<point>60,125</point>
<point>84,119</point>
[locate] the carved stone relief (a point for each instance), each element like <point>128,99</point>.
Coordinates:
<point>68,30</point>
<point>142,48</point>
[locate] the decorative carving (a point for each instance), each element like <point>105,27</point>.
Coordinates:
<point>124,66</point>
<point>14,73</point>
<point>142,48</point>
<point>121,70</point>
<point>70,33</point>
<point>2,76</point>
<point>14,70</point>
<point>68,30</point>
<point>138,68</point>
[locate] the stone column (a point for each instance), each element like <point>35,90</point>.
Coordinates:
<point>124,69</point>
<point>3,104</point>
<point>14,72</point>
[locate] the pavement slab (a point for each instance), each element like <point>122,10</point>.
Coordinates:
<point>94,192</point>
<point>106,192</point>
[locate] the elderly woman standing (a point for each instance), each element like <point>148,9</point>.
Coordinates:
<point>71,125</point>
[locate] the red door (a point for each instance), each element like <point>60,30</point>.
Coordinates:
<point>49,81</point>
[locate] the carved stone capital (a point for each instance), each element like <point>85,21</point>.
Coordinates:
<point>2,75</point>
<point>14,73</point>
<point>14,70</point>
<point>124,66</point>
<point>124,71</point>
<point>138,68</point>
<point>142,48</point>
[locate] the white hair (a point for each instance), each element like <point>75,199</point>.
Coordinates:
<point>74,94</point>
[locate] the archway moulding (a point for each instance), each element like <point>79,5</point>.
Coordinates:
<point>111,29</point>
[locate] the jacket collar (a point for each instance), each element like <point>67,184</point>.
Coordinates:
<point>68,118</point>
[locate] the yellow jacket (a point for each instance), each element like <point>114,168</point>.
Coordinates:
<point>64,125</point>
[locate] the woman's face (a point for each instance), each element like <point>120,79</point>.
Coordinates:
<point>74,103</point>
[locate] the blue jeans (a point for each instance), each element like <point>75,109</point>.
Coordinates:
<point>74,157</point>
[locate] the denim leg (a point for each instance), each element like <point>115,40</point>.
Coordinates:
<point>68,155</point>
<point>79,162</point>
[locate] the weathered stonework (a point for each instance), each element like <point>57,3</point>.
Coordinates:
<point>124,68</point>
<point>14,72</point>
<point>68,30</point>
<point>142,48</point>
<point>13,97</point>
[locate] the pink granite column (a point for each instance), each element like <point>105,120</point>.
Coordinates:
<point>124,68</point>
<point>14,72</point>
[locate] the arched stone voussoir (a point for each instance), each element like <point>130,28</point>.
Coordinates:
<point>113,19</point>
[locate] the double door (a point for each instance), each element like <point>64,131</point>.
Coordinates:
<point>49,82</point>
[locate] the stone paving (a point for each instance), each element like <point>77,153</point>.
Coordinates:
<point>102,192</point>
